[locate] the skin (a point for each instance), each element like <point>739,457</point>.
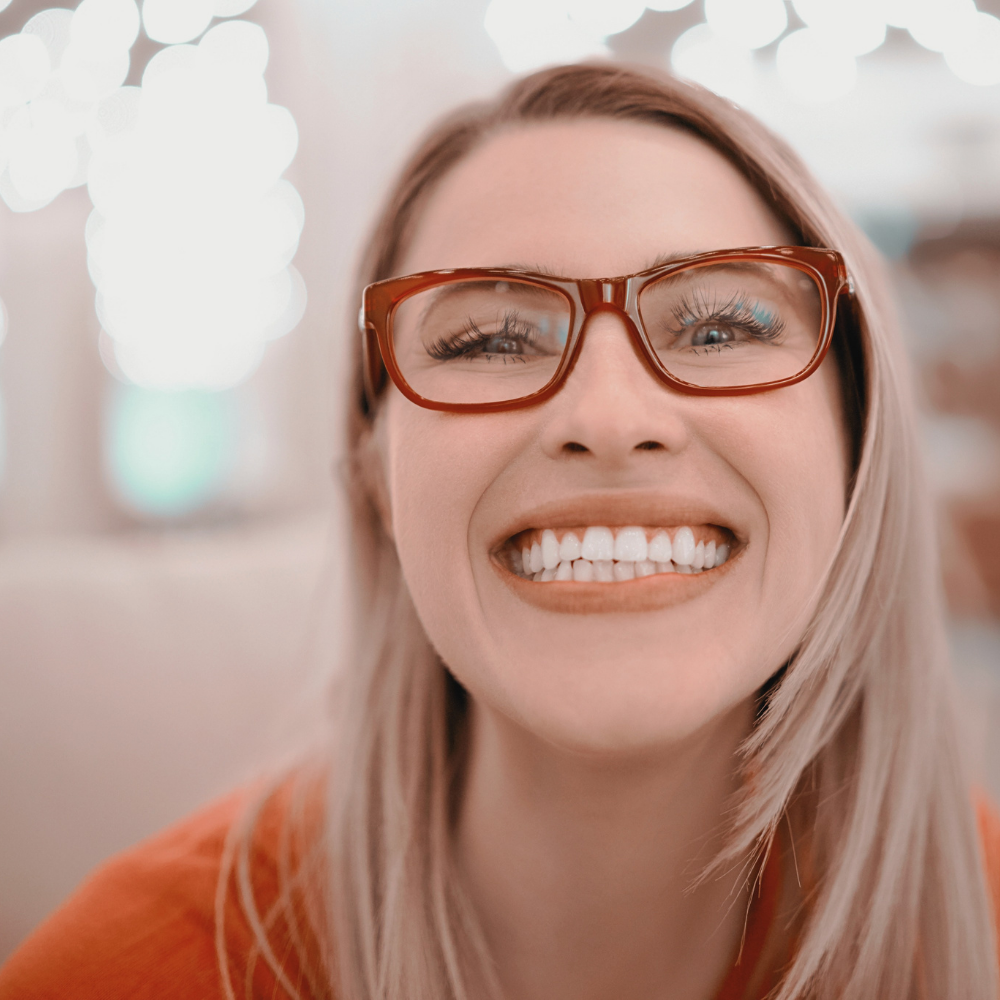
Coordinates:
<point>602,751</point>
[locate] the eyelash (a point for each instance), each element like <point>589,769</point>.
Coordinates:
<point>698,309</point>
<point>471,337</point>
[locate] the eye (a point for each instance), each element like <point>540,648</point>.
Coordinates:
<point>501,343</point>
<point>709,335</point>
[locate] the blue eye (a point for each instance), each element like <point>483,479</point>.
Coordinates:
<point>711,335</point>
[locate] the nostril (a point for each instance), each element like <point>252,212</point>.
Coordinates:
<point>574,446</point>
<point>649,446</point>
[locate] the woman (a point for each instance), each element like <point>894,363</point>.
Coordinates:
<point>650,696</point>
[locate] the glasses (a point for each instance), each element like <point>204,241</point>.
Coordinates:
<point>480,340</point>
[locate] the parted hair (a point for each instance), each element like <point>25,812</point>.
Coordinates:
<point>854,752</point>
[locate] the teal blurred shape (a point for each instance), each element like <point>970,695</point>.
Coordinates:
<point>893,231</point>
<point>169,452</point>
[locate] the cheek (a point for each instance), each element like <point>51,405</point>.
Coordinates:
<point>793,452</point>
<point>438,467</point>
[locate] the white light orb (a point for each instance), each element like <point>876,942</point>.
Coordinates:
<point>294,310</point>
<point>236,45</point>
<point>895,12</point>
<point>715,62</point>
<point>974,56</point>
<point>748,23</point>
<point>100,26</point>
<point>53,28</point>
<point>814,70</point>
<point>4,4</point>
<point>88,76</point>
<point>42,162</point>
<point>854,25</point>
<point>167,60</point>
<point>936,24</point>
<point>605,17</point>
<point>232,8</point>
<point>115,116</point>
<point>174,21</point>
<point>530,34</point>
<point>666,5</point>
<point>24,69</point>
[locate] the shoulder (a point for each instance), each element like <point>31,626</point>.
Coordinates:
<point>143,925</point>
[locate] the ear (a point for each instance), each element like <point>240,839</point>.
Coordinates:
<point>370,472</point>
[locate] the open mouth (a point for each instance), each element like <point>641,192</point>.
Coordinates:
<point>599,554</point>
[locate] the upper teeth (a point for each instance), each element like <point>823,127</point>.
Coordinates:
<point>607,555</point>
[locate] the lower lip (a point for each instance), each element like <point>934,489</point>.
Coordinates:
<point>651,593</point>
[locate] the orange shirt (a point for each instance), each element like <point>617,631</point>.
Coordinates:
<point>142,927</point>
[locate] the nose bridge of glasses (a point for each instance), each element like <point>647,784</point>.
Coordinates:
<point>595,292</point>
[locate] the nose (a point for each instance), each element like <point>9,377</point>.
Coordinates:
<point>612,408</point>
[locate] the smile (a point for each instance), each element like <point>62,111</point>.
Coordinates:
<point>600,554</point>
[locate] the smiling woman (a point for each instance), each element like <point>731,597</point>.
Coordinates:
<point>650,695</point>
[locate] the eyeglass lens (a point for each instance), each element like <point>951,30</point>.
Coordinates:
<point>715,325</point>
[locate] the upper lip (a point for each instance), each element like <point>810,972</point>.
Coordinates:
<point>618,509</point>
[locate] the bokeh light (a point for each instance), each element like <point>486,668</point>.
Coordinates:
<point>605,17</point>
<point>814,69</point>
<point>715,62</point>
<point>973,55</point>
<point>169,452</point>
<point>193,231</point>
<point>748,23</point>
<point>232,8</point>
<point>857,26</point>
<point>937,23</point>
<point>533,33</point>
<point>174,21</point>
<point>665,5</point>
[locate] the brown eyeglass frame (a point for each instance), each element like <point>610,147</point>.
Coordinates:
<point>586,297</point>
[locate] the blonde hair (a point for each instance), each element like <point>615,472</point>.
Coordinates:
<point>855,747</point>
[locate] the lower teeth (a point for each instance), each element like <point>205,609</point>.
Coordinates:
<point>584,571</point>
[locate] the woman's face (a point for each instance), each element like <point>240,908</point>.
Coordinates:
<point>632,665</point>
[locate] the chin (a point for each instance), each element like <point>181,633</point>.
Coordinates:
<point>618,706</point>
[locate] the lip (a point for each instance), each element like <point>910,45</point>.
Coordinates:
<point>650,593</point>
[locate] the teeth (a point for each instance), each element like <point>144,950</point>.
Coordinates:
<point>683,547</point>
<point>699,556</point>
<point>630,545</point>
<point>550,549</point>
<point>660,549</point>
<point>624,571</point>
<point>536,562</point>
<point>569,548</point>
<point>604,571</point>
<point>607,556</point>
<point>598,543</point>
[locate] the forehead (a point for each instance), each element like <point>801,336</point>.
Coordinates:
<point>588,198</point>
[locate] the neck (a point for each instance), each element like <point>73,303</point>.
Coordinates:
<point>582,868</point>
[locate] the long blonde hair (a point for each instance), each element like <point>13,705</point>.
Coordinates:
<point>855,748</point>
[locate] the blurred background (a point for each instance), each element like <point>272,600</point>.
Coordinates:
<point>183,186</point>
